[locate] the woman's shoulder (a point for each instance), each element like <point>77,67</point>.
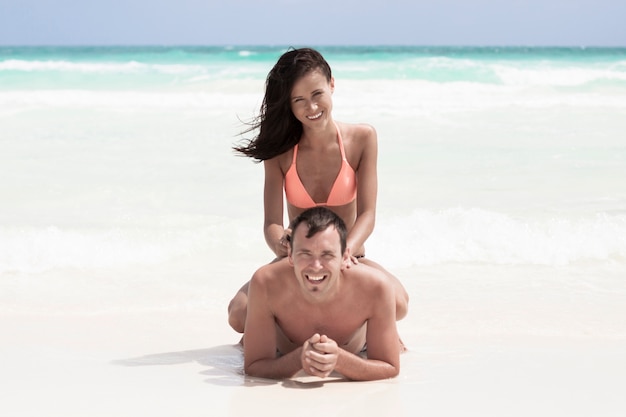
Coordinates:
<point>359,139</point>
<point>363,131</point>
<point>358,136</point>
<point>282,161</point>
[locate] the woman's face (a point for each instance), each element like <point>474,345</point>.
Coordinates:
<point>311,99</point>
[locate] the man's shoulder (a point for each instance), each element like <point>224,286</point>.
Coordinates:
<point>273,271</point>
<point>368,278</point>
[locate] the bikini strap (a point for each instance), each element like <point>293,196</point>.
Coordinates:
<point>340,140</point>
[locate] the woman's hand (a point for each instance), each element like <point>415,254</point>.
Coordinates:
<point>283,244</point>
<point>352,261</point>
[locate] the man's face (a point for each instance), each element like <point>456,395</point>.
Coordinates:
<point>317,260</point>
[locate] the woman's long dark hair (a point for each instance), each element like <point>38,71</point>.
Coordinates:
<point>279,130</point>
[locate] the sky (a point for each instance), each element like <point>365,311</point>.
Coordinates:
<point>314,23</point>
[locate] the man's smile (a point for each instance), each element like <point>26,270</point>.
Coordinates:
<point>315,278</point>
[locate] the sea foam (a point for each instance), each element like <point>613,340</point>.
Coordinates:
<point>424,237</point>
<point>474,235</point>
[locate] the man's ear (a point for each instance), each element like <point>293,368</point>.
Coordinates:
<point>346,258</point>
<point>289,257</point>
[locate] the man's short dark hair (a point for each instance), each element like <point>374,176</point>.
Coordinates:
<point>319,219</point>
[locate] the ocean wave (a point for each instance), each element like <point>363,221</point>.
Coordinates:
<point>499,72</point>
<point>423,238</point>
<point>37,250</point>
<point>15,100</point>
<point>558,77</point>
<point>436,69</point>
<point>129,67</point>
<point>391,97</point>
<point>461,235</point>
<point>132,74</point>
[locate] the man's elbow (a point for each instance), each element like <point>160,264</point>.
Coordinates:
<point>258,370</point>
<point>392,369</point>
<point>250,370</point>
<point>390,372</point>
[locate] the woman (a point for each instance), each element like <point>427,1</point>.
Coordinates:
<point>318,161</point>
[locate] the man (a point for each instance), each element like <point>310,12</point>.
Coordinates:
<point>316,313</point>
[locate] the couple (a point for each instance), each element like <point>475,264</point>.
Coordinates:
<point>320,163</point>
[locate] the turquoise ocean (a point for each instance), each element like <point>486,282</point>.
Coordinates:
<point>118,181</point>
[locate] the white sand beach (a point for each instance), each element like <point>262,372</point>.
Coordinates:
<point>543,342</point>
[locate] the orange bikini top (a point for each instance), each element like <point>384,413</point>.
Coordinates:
<point>343,191</point>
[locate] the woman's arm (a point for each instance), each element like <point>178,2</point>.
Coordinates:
<point>273,204</point>
<point>366,144</point>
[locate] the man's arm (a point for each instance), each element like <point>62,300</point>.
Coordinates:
<point>383,347</point>
<point>259,339</point>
